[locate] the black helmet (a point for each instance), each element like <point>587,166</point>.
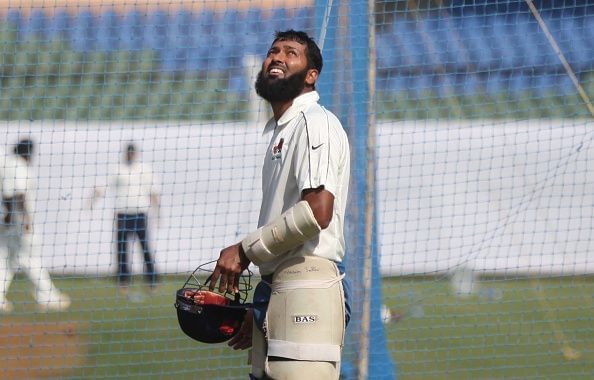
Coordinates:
<point>208,316</point>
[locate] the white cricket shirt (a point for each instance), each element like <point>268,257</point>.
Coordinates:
<point>18,178</point>
<point>133,185</point>
<point>308,149</point>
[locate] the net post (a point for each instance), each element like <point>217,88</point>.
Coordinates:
<point>347,87</point>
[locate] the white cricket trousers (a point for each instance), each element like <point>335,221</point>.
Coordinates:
<point>19,249</point>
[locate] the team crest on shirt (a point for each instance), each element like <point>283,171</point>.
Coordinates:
<point>277,150</point>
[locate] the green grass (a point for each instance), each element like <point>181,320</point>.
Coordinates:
<point>129,340</point>
<point>519,333</point>
<point>509,329</point>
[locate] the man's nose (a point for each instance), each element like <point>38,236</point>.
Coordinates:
<point>277,57</point>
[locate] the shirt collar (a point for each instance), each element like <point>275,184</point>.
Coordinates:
<point>300,103</point>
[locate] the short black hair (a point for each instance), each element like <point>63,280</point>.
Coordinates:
<point>314,55</point>
<point>24,148</point>
<point>130,148</point>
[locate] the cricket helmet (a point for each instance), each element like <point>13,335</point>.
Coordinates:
<point>208,316</point>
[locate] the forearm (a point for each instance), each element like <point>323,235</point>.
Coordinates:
<point>290,230</point>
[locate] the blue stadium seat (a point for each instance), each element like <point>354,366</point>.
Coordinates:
<point>569,35</point>
<point>388,55</point>
<point>392,83</point>
<point>410,44</point>
<point>543,84</point>
<point>496,83</point>
<point>155,31</point>
<point>476,41</point>
<point>59,25</point>
<point>585,46</point>
<point>277,20</point>
<point>15,20</point>
<point>303,19</point>
<point>545,57</point>
<point>431,40</point>
<point>83,36</point>
<point>237,83</point>
<point>420,85</point>
<point>179,27</point>
<point>35,25</point>
<point>457,53</point>
<point>564,85</point>
<point>229,31</point>
<point>108,31</point>
<point>445,85</point>
<point>519,83</point>
<point>502,40</point>
<point>469,84</point>
<point>441,43</point>
<point>589,34</point>
<point>257,38</point>
<point>398,84</point>
<point>530,55</point>
<point>175,55</point>
<point>133,31</point>
<point>203,44</point>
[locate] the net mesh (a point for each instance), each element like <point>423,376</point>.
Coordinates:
<point>483,206</point>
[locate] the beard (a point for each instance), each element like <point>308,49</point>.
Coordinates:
<point>280,89</point>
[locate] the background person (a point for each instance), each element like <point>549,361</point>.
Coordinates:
<point>300,310</point>
<point>19,245</point>
<point>136,191</point>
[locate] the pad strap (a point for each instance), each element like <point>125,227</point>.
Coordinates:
<point>304,351</point>
<point>290,230</point>
<point>283,286</point>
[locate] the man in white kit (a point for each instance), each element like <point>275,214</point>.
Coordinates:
<point>136,190</point>
<point>300,306</point>
<point>19,245</point>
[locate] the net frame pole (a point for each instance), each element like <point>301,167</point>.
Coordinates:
<point>369,197</point>
<point>361,37</point>
<point>344,88</point>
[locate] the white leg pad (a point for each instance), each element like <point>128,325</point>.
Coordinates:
<point>299,370</point>
<point>305,319</point>
<point>258,352</point>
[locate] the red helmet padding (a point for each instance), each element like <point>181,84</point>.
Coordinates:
<point>208,317</point>
<point>205,297</point>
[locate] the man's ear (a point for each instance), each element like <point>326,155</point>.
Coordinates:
<point>311,77</point>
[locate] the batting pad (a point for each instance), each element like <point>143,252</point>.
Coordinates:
<point>305,320</point>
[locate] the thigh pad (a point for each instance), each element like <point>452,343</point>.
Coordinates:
<point>305,319</point>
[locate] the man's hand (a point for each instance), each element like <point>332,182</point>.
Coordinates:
<point>231,263</point>
<point>243,339</point>
<point>97,193</point>
<point>28,223</point>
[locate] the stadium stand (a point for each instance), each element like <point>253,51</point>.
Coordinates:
<point>132,65</point>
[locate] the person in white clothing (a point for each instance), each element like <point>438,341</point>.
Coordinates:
<point>19,245</point>
<point>301,309</point>
<point>136,191</point>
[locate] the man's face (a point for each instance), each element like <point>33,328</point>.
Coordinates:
<point>27,155</point>
<point>284,72</point>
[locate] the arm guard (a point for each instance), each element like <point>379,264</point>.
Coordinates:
<point>290,230</point>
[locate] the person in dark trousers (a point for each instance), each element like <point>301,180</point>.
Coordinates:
<point>136,191</point>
